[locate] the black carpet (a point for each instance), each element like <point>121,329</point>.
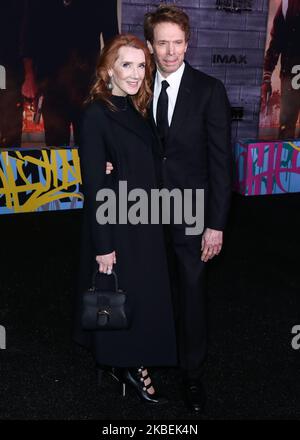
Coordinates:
<point>252,371</point>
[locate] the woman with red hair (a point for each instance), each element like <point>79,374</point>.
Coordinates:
<point>116,129</point>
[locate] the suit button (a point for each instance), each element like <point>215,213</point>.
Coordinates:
<point>164,158</point>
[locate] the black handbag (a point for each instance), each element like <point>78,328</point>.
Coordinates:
<point>106,309</point>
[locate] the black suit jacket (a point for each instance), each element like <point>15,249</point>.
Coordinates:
<point>198,153</point>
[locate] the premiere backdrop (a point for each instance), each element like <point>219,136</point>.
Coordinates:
<point>227,43</point>
<point>250,45</point>
<point>48,52</point>
<point>230,40</point>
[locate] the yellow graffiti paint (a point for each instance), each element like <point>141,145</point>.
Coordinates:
<point>42,192</point>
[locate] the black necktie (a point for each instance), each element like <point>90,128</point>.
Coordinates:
<point>162,112</point>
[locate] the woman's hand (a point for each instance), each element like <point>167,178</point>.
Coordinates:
<point>109,167</point>
<point>106,262</point>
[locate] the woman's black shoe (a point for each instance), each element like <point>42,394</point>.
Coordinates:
<point>134,378</point>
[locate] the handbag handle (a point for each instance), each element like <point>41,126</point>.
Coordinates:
<point>99,273</point>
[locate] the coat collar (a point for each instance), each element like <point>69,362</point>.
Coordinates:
<point>137,126</point>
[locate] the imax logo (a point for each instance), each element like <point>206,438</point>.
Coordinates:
<point>229,59</point>
<point>2,78</point>
<point>2,338</point>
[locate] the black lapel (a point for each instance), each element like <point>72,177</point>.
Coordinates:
<point>124,119</point>
<point>182,105</point>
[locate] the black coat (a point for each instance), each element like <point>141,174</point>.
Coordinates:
<point>125,138</point>
<point>197,153</point>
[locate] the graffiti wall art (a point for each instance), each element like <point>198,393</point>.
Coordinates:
<point>39,180</point>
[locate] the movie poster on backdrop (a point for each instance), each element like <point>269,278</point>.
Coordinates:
<point>280,91</point>
<point>46,66</point>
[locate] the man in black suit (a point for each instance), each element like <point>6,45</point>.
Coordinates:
<point>191,113</point>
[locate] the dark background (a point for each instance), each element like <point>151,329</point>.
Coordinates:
<point>252,371</point>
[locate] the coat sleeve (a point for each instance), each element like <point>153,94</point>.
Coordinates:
<point>93,154</point>
<point>220,162</point>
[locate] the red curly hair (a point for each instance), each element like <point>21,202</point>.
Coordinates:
<point>109,55</point>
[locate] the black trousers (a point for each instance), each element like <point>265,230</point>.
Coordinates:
<point>188,283</point>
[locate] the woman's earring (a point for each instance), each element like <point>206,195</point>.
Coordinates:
<point>109,84</point>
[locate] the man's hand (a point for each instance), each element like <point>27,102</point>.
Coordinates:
<point>106,262</point>
<point>109,167</point>
<point>266,92</point>
<point>211,245</point>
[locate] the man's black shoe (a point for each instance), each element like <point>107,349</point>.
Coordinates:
<point>195,396</point>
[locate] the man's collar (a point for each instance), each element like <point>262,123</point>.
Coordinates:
<point>173,79</point>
